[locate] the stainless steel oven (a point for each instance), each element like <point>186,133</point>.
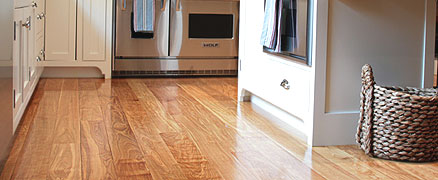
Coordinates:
<point>191,37</point>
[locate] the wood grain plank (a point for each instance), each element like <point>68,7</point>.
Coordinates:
<point>89,100</point>
<point>216,147</point>
<point>35,160</point>
<point>67,126</point>
<point>189,158</point>
<point>129,161</point>
<point>97,161</point>
<point>159,158</point>
<point>65,154</point>
<point>156,112</point>
<point>397,170</point>
<point>23,131</point>
<point>65,161</point>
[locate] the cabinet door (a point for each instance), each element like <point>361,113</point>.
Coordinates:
<point>92,29</point>
<point>39,13</point>
<point>27,50</point>
<point>17,58</point>
<point>40,17</point>
<point>60,30</point>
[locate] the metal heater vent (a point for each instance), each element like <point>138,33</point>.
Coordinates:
<point>176,73</point>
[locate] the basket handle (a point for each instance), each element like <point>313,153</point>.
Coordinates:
<point>367,76</point>
<point>366,109</point>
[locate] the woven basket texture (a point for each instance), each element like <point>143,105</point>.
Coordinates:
<point>397,123</point>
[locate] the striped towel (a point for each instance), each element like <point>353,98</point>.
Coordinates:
<point>144,16</point>
<point>268,38</point>
<point>271,33</point>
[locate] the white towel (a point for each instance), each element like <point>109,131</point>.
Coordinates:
<point>144,15</point>
<point>269,32</point>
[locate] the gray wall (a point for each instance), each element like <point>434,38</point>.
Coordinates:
<point>388,34</point>
<point>397,37</point>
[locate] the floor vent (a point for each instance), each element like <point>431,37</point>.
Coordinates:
<point>176,73</point>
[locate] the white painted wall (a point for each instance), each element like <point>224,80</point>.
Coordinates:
<point>6,30</point>
<point>394,36</point>
<point>388,34</point>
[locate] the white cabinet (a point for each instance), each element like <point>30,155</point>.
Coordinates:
<point>276,83</point>
<point>92,29</point>
<point>39,14</point>
<point>79,34</point>
<point>27,53</point>
<point>19,50</point>
<point>22,3</point>
<point>60,30</point>
<point>26,69</point>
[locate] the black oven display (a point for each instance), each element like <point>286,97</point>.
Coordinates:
<point>211,26</point>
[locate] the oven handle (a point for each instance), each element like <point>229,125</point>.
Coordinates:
<point>178,4</point>
<point>163,5</point>
<point>123,5</point>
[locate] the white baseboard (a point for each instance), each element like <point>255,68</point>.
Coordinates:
<point>278,116</point>
<point>72,72</point>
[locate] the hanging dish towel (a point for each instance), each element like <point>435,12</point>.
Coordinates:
<point>269,32</point>
<point>144,16</point>
<point>275,24</point>
<point>279,26</point>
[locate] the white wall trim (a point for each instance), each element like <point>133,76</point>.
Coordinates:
<point>319,62</point>
<point>429,43</point>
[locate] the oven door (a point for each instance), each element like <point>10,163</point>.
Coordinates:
<point>130,44</point>
<point>200,28</point>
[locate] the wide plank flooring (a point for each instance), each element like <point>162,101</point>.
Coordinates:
<point>163,128</point>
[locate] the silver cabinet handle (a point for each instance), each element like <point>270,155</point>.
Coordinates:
<point>163,5</point>
<point>34,4</point>
<point>40,16</point>
<point>178,4</point>
<point>285,84</point>
<point>38,58</point>
<point>26,24</point>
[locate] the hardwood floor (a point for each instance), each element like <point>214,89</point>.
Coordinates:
<point>173,129</point>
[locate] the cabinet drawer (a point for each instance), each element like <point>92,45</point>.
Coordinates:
<point>285,86</point>
<point>22,3</point>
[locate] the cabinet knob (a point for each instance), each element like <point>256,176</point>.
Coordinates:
<point>40,16</point>
<point>34,4</point>
<point>26,24</point>
<point>285,84</point>
<point>38,58</point>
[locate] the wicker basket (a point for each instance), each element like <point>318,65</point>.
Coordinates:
<point>397,123</point>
